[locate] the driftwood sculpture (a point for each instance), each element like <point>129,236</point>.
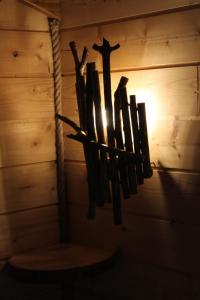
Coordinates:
<point>121,159</point>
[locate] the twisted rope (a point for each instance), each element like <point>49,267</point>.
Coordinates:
<point>61,184</point>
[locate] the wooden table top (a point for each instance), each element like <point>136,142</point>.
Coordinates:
<point>60,261</point>
<point>59,257</point>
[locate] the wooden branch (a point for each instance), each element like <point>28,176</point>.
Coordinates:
<point>91,134</point>
<point>79,64</point>
<point>105,51</point>
<point>119,152</point>
<point>104,167</point>
<point>122,94</point>
<point>120,143</point>
<point>70,123</point>
<point>82,108</point>
<point>136,139</point>
<point>147,170</point>
<point>80,82</point>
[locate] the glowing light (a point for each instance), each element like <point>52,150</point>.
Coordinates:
<point>104,118</point>
<point>151,112</point>
<point>148,98</point>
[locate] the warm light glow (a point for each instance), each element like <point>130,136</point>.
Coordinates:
<point>151,113</point>
<point>104,118</point>
<point>2,193</point>
<point>148,98</point>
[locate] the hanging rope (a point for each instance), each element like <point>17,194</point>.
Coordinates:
<point>63,209</point>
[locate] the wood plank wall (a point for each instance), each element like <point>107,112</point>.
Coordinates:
<point>28,197</point>
<point>160,54</point>
<point>52,5</point>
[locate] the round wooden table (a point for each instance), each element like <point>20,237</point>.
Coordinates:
<point>62,263</point>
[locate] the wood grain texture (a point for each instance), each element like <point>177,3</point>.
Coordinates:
<point>28,195</point>
<point>34,98</point>
<point>15,15</point>
<point>170,148</point>
<point>27,186</point>
<point>170,91</point>
<point>145,55</point>
<point>66,257</point>
<point>172,102</point>
<point>51,5</point>
<point>167,92</point>
<point>87,12</point>
<point>25,53</point>
<point>27,230</point>
<point>41,8</point>
<point>173,196</point>
<point>145,43</point>
<point>178,157</point>
<point>84,38</point>
<point>73,150</point>
<point>25,142</point>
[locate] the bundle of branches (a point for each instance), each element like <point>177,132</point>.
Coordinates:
<point>121,156</point>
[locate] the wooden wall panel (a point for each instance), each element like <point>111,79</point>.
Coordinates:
<point>51,5</point>
<point>25,53</point>
<point>176,144</point>
<point>173,196</point>
<point>28,181</point>
<point>172,156</point>
<point>145,43</point>
<point>161,89</point>
<point>34,98</point>
<point>173,128</point>
<point>29,229</point>
<point>147,240</point>
<point>69,102</point>
<point>26,142</point>
<point>82,37</point>
<point>172,25</point>
<point>14,15</point>
<point>160,53</point>
<point>145,55</point>
<point>178,157</point>
<point>28,186</point>
<point>73,150</point>
<point>87,12</point>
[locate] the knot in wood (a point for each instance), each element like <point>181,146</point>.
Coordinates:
<point>15,53</point>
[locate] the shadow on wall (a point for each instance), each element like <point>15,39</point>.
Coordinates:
<point>181,193</point>
<point>181,188</point>
<point>172,192</point>
<point>27,138</point>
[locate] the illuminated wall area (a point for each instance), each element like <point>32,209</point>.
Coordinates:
<point>160,55</point>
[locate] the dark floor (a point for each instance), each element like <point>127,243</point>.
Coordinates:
<point>122,282</point>
<point>10,289</point>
